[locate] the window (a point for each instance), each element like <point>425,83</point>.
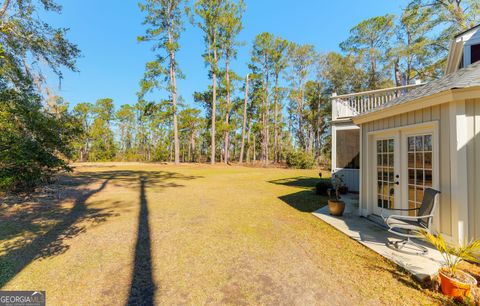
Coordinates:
<point>348,149</point>
<point>475,53</point>
<point>420,165</point>
<point>385,173</point>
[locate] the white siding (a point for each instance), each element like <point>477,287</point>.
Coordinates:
<point>350,178</point>
<point>473,160</point>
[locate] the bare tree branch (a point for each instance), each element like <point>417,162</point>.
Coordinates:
<point>4,7</point>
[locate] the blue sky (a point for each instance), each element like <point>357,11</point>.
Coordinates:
<point>112,61</point>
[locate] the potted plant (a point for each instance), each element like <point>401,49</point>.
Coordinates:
<point>454,282</point>
<point>335,205</point>
<point>343,189</point>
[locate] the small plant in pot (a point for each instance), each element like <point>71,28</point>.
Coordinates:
<point>323,186</point>
<point>343,190</point>
<point>335,205</point>
<point>454,282</point>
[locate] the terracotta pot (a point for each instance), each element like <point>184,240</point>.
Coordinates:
<point>336,207</point>
<point>454,287</point>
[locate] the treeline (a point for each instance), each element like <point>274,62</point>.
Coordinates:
<point>279,112</point>
<point>139,132</point>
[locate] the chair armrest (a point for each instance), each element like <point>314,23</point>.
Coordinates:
<point>391,219</point>
<point>409,218</point>
<point>395,209</point>
<point>401,209</point>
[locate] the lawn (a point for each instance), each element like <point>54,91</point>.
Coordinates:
<point>189,234</point>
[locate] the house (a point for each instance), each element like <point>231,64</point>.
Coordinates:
<point>391,144</point>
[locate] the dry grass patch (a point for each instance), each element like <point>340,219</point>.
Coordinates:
<point>191,234</point>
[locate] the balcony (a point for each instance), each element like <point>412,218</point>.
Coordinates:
<point>345,107</point>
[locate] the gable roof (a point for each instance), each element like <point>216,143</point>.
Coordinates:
<point>455,52</point>
<point>463,78</point>
<point>466,31</point>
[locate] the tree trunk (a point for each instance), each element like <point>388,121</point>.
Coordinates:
<point>4,8</point>
<point>310,141</point>
<point>301,136</point>
<point>319,131</point>
<point>173,81</point>
<point>459,14</point>
<point>275,123</point>
<point>192,145</point>
<point>249,147</point>
<point>254,149</point>
<point>234,148</point>
<point>244,119</point>
<point>227,114</point>
<point>266,132</point>
<point>189,152</point>
<point>280,151</point>
<point>373,67</point>
<point>214,107</point>
<point>398,74</point>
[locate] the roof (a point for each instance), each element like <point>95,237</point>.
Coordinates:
<point>466,31</point>
<point>463,78</point>
<point>455,52</point>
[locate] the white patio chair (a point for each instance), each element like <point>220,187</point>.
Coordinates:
<point>410,226</point>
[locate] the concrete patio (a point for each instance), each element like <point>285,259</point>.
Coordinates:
<point>374,236</point>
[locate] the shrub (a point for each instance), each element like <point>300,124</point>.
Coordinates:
<point>323,186</point>
<point>300,160</point>
<point>33,142</point>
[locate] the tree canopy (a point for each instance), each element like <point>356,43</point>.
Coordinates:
<point>278,111</point>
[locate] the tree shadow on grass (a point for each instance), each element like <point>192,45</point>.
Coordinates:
<point>304,182</point>
<point>129,178</point>
<point>49,224</point>
<point>305,200</point>
<point>142,288</point>
<point>18,254</point>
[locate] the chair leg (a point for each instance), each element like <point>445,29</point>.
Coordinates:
<point>400,244</point>
<point>423,250</point>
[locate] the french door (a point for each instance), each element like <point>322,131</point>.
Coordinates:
<point>387,173</point>
<point>405,163</point>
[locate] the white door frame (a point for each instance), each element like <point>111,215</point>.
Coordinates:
<point>401,162</point>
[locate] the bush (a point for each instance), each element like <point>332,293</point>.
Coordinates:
<point>300,160</point>
<point>323,186</point>
<point>33,142</point>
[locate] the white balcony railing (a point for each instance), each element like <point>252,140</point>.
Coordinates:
<point>351,105</point>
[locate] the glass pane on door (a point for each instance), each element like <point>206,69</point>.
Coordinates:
<point>385,173</point>
<point>419,168</point>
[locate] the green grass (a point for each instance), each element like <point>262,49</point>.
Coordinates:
<point>191,234</point>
